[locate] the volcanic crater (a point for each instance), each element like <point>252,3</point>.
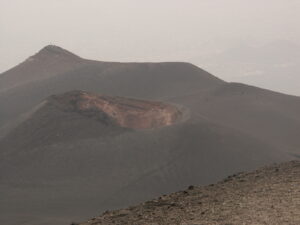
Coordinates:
<point>124,112</point>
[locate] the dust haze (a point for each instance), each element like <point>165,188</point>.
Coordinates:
<point>200,32</point>
<point>158,108</point>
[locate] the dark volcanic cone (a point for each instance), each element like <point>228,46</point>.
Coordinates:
<point>77,114</point>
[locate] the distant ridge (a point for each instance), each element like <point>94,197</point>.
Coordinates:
<point>52,61</point>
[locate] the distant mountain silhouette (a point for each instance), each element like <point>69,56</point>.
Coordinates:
<point>274,66</point>
<point>69,154</point>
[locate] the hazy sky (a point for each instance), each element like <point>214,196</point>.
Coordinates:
<point>141,30</point>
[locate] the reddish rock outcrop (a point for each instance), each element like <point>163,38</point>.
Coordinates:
<point>125,112</point>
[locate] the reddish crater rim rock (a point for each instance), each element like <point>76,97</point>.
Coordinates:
<point>125,112</point>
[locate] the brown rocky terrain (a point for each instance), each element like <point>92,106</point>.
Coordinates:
<point>270,195</point>
<point>125,112</point>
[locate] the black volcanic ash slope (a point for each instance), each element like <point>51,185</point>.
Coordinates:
<point>79,162</point>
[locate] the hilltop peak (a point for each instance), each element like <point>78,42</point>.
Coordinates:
<point>53,50</point>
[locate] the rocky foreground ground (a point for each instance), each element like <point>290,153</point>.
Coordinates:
<point>269,195</point>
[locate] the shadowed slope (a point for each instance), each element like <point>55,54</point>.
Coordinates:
<point>90,163</point>
<point>266,115</point>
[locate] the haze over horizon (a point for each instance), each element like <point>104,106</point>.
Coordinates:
<point>133,30</point>
<point>160,109</point>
